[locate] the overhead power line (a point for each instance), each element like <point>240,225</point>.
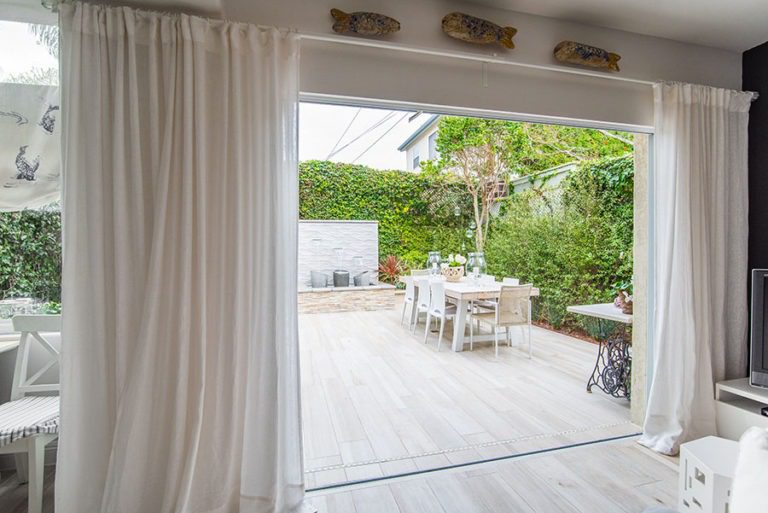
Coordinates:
<point>386,118</point>
<point>381,137</point>
<point>330,154</point>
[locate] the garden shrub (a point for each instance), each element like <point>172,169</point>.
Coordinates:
<point>30,254</point>
<point>576,252</point>
<point>574,243</point>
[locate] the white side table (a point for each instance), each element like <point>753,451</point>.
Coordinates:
<point>706,472</point>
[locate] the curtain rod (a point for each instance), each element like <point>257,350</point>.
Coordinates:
<point>487,59</point>
<point>53,5</point>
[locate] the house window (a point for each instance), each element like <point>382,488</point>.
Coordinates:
<point>416,162</point>
<point>433,146</point>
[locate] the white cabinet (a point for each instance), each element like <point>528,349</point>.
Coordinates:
<point>738,407</point>
<point>706,473</point>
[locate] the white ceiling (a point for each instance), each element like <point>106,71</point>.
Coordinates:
<point>730,24</point>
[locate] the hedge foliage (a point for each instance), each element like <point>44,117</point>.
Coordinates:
<point>30,254</point>
<point>574,243</point>
<point>416,212</point>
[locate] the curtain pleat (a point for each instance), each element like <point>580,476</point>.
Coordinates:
<point>180,384</point>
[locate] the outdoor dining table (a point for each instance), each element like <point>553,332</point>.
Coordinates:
<point>462,293</point>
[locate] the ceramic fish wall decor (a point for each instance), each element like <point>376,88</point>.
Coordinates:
<point>477,30</point>
<point>586,55</point>
<point>363,23</point>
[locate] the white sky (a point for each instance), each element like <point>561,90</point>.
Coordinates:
<point>320,126</point>
<point>19,51</point>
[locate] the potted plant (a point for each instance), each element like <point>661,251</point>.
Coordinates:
<point>453,269</point>
<point>624,293</point>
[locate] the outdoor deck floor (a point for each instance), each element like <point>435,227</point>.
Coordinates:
<point>378,402</point>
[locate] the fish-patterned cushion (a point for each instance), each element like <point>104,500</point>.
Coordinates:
<point>28,416</point>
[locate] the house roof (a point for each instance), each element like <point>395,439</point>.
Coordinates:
<point>415,135</point>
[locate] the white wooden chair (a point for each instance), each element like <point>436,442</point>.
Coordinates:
<point>512,309</point>
<point>510,281</point>
<point>29,422</point>
<point>438,309</point>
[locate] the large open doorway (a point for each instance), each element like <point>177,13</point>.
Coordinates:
<point>386,192</point>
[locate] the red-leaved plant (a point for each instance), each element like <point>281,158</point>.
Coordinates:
<point>390,269</point>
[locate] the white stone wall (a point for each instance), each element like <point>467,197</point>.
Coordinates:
<point>318,239</point>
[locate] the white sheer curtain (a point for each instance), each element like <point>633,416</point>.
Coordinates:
<point>180,383</point>
<point>700,211</point>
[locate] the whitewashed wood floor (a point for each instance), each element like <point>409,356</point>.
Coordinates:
<point>614,477</point>
<point>618,477</point>
<point>378,402</point>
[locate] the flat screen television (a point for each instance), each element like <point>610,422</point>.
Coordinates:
<point>758,361</point>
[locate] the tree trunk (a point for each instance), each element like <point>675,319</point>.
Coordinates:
<point>478,224</point>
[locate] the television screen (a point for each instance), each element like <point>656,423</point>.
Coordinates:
<point>759,329</point>
<point>763,352</point>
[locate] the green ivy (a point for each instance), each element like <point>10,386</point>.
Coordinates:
<point>416,212</point>
<point>30,254</point>
<point>575,244</point>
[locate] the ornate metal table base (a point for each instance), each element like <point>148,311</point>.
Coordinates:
<point>613,368</point>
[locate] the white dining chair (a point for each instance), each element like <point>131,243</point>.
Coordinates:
<point>486,304</point>
<point>512,309</point>
<point>439,308</point>
<point>510,281</point>
<point>419,272</point>
<point>30,421</point>
<point>410,298</point>
<point>422,299</point>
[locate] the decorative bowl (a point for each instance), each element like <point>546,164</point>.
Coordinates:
<point>453,273</point>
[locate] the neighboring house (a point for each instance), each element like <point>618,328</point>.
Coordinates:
<point>421,145</point>
<point>552,176</point>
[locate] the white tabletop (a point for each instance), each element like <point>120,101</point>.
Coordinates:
<point>607,311</point>
<point>467,288</point>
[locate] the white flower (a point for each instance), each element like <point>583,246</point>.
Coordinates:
<point>460,259</point>
<point>450,257</point>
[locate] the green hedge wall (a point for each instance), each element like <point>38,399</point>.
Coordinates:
<point>574,243</point>
<point>416,212</point>
<point>30,254</point>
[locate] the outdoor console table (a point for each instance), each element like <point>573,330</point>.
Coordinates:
<point>613,366</point>
<point>461,293</point>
